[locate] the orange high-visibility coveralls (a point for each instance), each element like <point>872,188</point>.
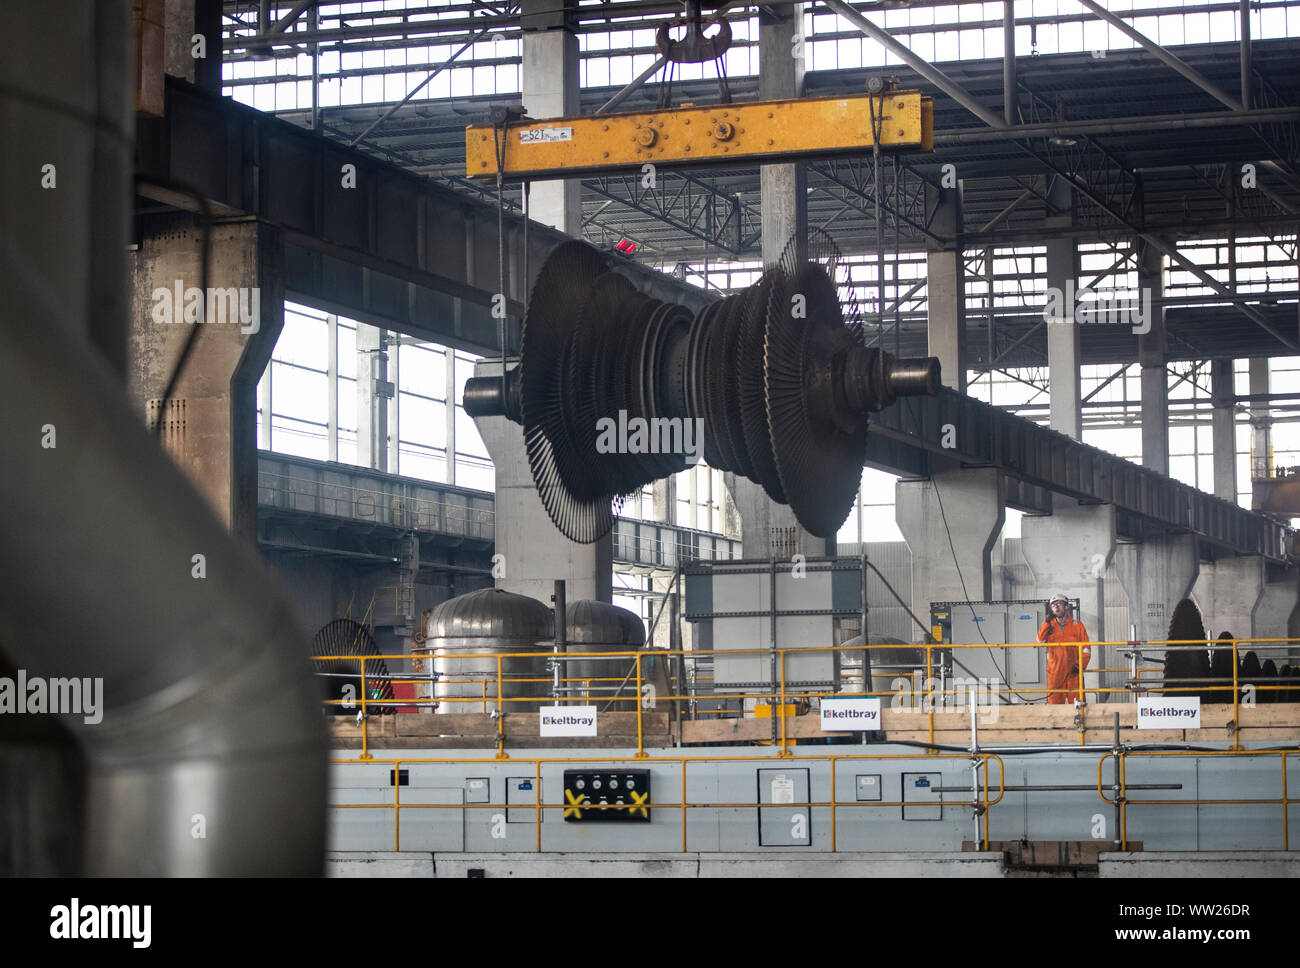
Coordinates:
<point>1063,659</point>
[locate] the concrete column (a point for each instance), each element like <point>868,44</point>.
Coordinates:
<point>1227,592</point>
<point>1223,430</point>
<point>1069,551</point>
<point>1157,574</point>
<point>783,189</point>
<point>1063,336</point>
<point>374,390</point>
<point>771,529</point>
<point>945,289</point>
<point>535,551</point>
<point>551,90</point>
<point>1277,613</point>
<point>1151,357</point>
<point>211,422</point>
<point>1261,438</point>
<point>663,496</point>
<point>973,504</point>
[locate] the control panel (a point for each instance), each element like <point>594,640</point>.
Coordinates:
<point>606,795</point>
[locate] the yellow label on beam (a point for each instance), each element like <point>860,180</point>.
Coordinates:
<point>762,131</point>
<point>764,710</point>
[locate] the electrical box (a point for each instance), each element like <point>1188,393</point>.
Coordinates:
<point>615,795</point>
<point>920,799</point>
<point>780,825</point>
<point>868,786</point>
<point>521,799</point>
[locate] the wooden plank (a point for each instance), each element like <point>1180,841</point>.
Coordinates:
<point>1024,724</point>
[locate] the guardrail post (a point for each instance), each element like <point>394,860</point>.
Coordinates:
<point>365,719</point>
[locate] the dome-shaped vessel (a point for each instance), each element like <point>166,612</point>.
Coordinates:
<point>601,627</point>
<point>464,636</point>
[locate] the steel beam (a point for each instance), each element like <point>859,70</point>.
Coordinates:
<point>1132,125</point>
<point>1166,58</point>
<point>908,436</point>
<point>397,246</point>
<point>923,67</point>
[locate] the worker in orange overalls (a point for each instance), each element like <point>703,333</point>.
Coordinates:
<point>1061,632</point>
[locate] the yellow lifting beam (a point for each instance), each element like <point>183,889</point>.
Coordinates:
<point>750,131</point>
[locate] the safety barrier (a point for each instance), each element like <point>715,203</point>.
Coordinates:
<point>980,800</point>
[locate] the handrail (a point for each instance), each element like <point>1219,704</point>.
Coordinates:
<point>983,802</point>
<point>1123,802</point>
<point>933,696</point>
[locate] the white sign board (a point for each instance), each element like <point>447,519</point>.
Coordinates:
<point>542,136</point>
<point>851,715</point>
<point>567,720</point>
<point>782,789</point>
<point>1169,712</point>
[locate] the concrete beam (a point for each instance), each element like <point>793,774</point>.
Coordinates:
<point>210,424</point>
<point>966,508</point>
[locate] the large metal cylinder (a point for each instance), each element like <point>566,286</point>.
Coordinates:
<point>601,627</point>
<point>466,634</point>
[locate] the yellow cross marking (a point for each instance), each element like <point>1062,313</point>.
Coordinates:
<point>580,798</point>
<point>639,800</point>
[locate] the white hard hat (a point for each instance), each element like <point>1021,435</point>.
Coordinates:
<point>1058,597</point>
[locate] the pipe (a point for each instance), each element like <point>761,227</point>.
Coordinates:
<point>561,634</point>
<point>210,714</point>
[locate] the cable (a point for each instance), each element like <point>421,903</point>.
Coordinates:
<point>966,595</point>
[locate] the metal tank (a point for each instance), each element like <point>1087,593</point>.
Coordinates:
<point>601,627</point>
<point>886,664</point>
<point>464,636</point>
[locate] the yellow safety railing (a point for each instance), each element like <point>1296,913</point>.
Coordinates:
<point>1123,802</point>
<point>933,696</point>
<point>980,801</point>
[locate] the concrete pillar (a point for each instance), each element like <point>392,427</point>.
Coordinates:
<point>1223,430</point>
<point>783,189</point>
<point>1063,336</point>
<point>1277,612</point>
<point>535,552</point>
<point>663,497</point>
<point>945,288</point>
<point>1261,438</point>
<point>1227,592</point>
<point>374,391</point>
<point>769,529</point>
<point>1069,551</point>
<point>550,90</point>
<point>967,507</point>
<point>1151,357</point>
<point>1157,574</point>
<point>211,422</point>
